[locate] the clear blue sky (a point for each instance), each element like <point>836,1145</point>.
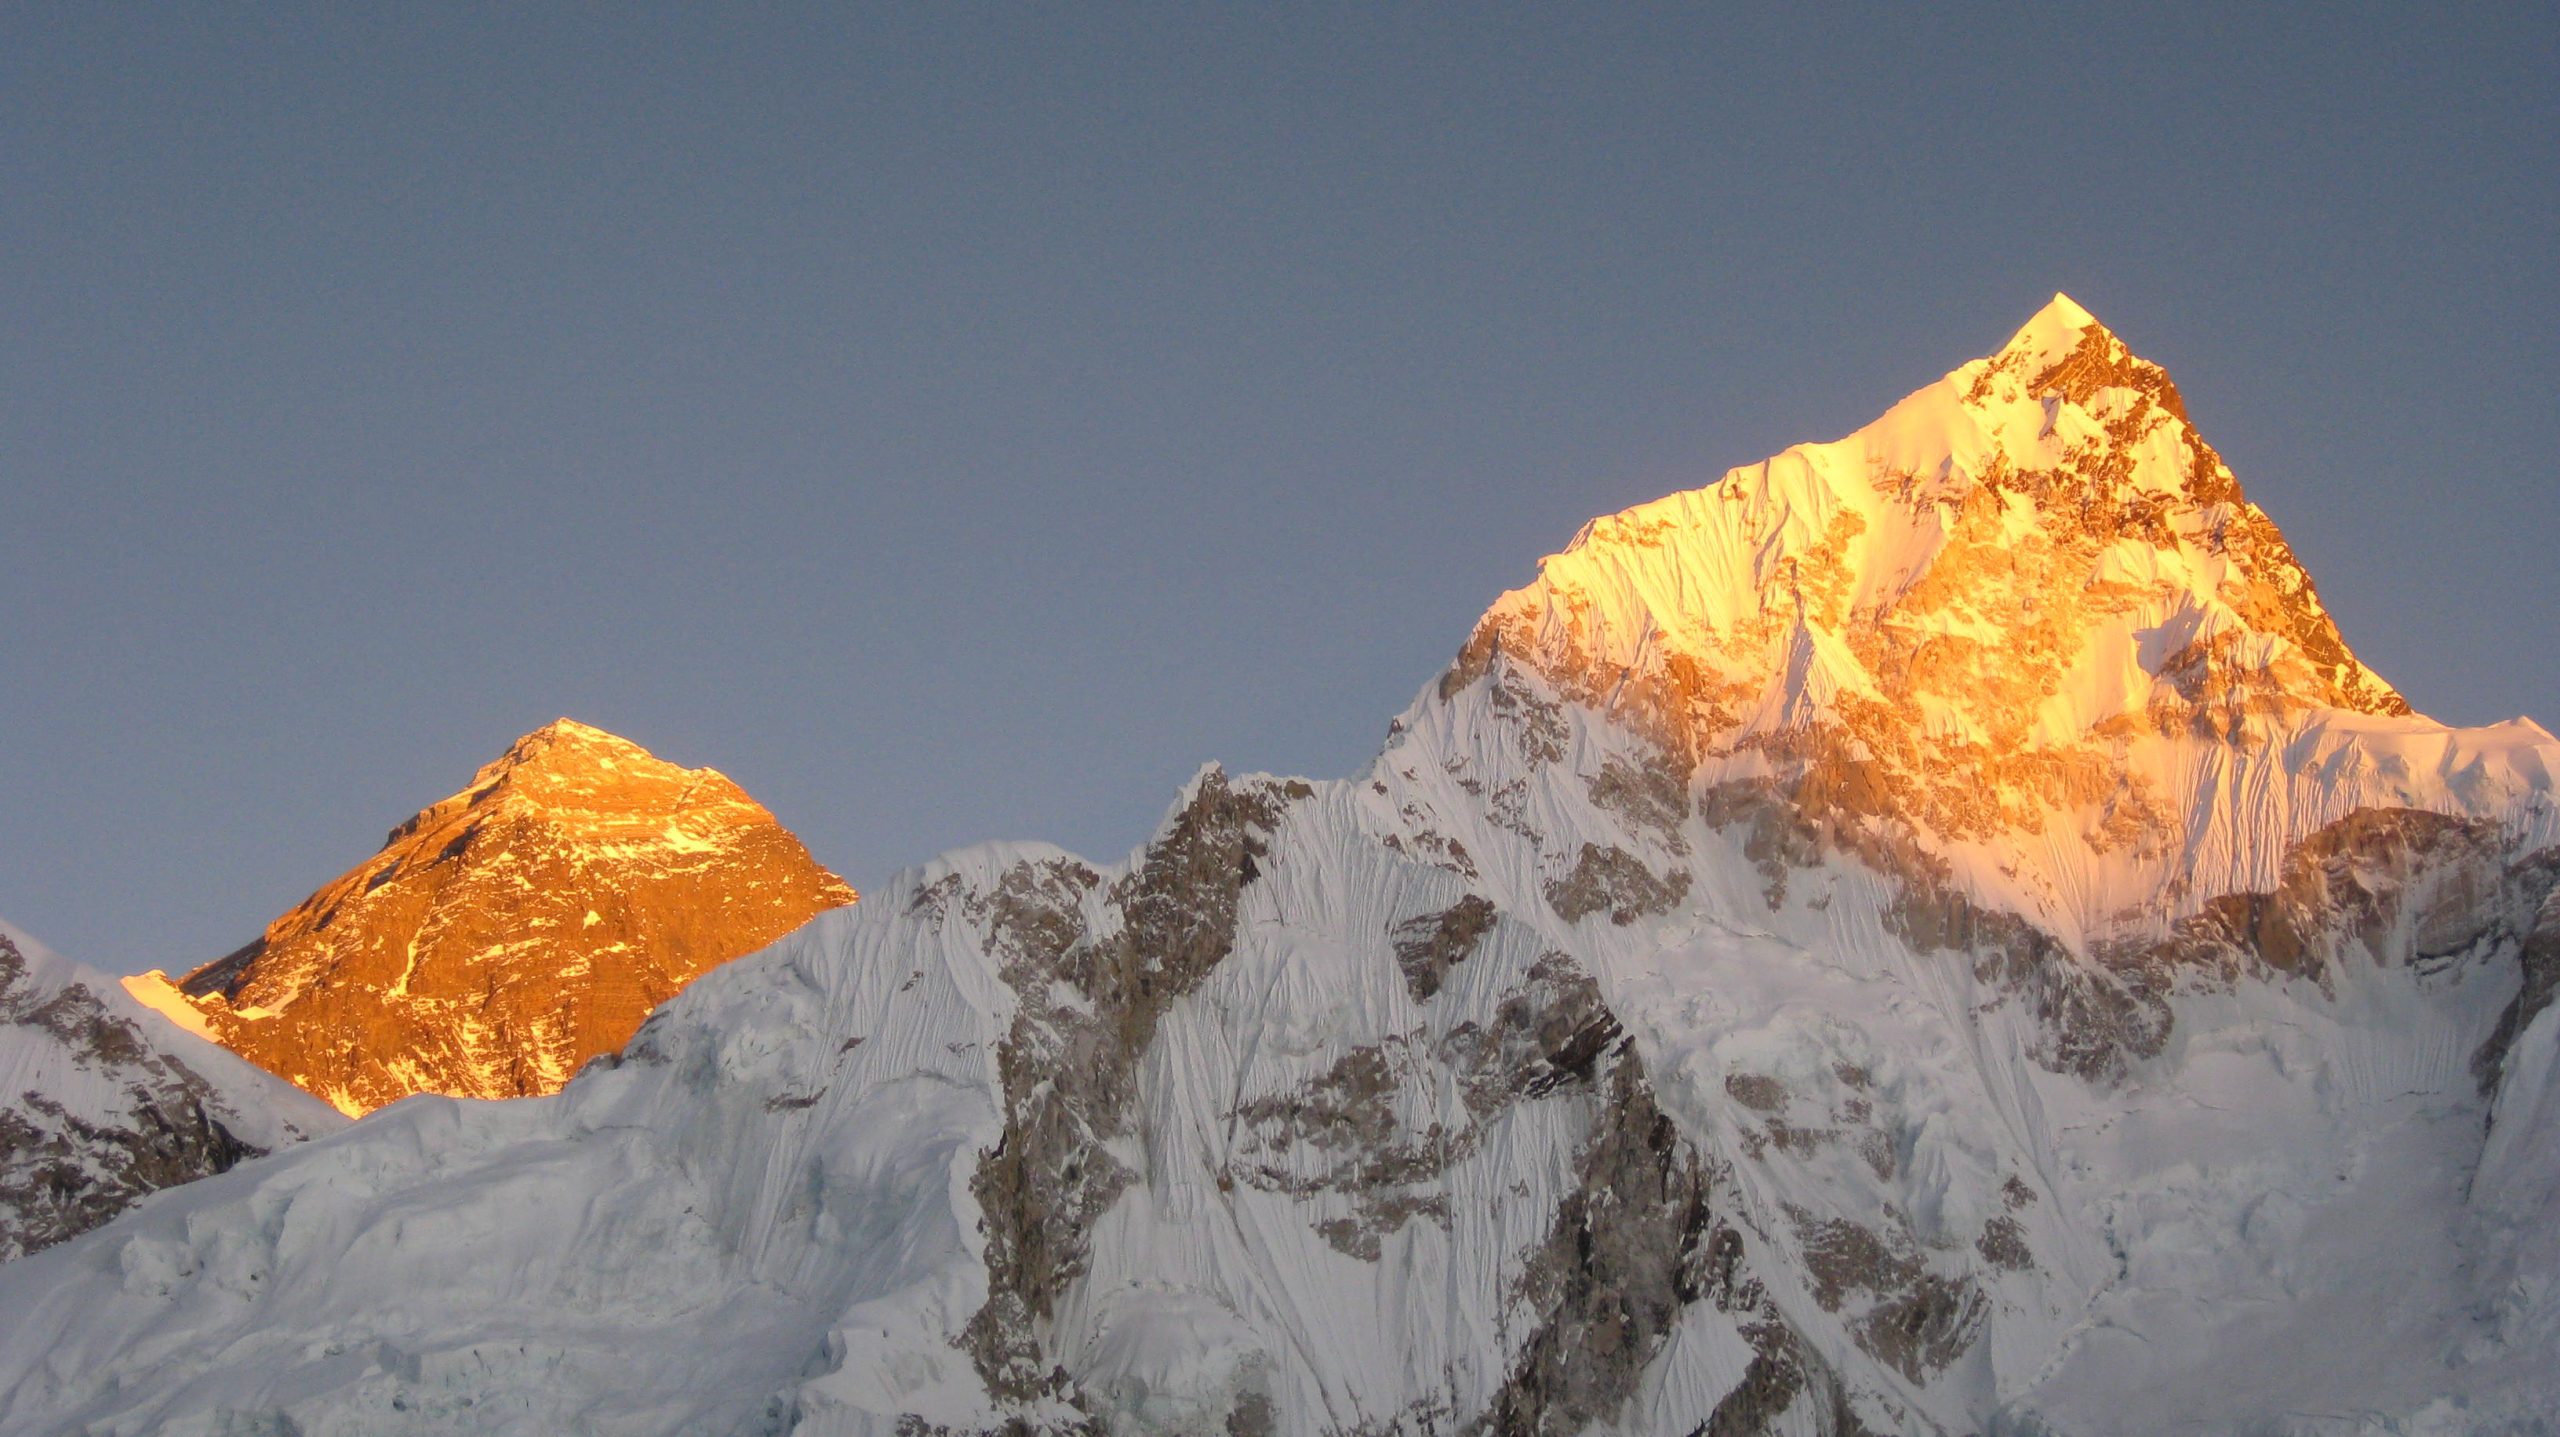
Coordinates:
<point>959,423</point>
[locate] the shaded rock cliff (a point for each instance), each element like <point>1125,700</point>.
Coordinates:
<point>103,1103</point>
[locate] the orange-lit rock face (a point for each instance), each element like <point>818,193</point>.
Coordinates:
<point>506,935</point>
<point>2025,606</point>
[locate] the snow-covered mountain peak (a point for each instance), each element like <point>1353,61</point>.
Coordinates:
<point>565,740</point>
<point>2053,332</point>
<point>577,773</point>
<point>1918,937</point>
<point>2012,617</point>
<point>506,934</point>
<point>2059,464</point>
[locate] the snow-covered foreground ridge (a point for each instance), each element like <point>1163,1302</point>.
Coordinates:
<point>1934,933</point>
<point>103,1102</point>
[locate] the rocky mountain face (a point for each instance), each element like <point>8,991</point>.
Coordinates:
<point>506,935</point>
<point>103,1104</point>
<point>1934,933</point>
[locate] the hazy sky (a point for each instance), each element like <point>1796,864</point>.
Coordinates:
<point>959,423</point>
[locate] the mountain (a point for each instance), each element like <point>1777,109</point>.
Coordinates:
<point>1934,933</point>
<point>506,935</point>
<point>103,1104</point>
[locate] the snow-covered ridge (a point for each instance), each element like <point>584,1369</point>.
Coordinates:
<point>503,936</point>
<point>102,1103</point>
<point>1607,1057</point>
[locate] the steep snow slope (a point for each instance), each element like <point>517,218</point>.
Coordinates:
<point>504,936</point>
<point>102,1103</point>
<point>2218,1180</point>
<point>1175,1142</point>
<point>1997,964</point>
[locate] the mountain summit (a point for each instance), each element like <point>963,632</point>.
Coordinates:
<point>2038,546</point>
<point>1998,553</point>
<point>2006,622</point>
<point>505,935</point>
<point>1933,933</point>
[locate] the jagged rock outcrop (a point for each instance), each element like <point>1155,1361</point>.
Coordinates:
<point>504,936</point>
<point>1933,934</point>
<point>103,1104</point>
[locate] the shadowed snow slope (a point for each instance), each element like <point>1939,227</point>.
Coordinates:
<point>1933,933</point>
<point>103,1103</point>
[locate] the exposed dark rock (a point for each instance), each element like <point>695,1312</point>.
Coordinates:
<point>224,974</point>
<point>1549,1033</point>
<point>2402,885</point>
<point>1069,1062</point>
<point>1919,1321</point>
<point>1654,795</point>
<point>934,899</point>
<point>1508,809</point>
<point>2354,882</point>
<point>1776,836</point>
<point>1615,882</point>
<point>1429,946</point>
<point>1340,1134</point>
<point>62,1174</point>
<point>2350,882</point>
<point>2004,1243</point>
<point>1631,1246</point>
<point>1877,1148</point>
<point>1843,1257</point>
<point>2094,1019</point>
<point>1768,1388</point>
<point>1926,1327</point>
<point>1757,1090</point>
<point>1252,1416</point>
<point>1537,721</point>
<point>2539,955</point>
<point>1429,845</point>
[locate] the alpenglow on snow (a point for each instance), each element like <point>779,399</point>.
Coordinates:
<point>1931,933</point>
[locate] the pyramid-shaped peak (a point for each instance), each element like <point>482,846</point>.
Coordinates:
<point>505,934</point>
<point>567,740</point>
<point>2055,331</point>
<point>2066,352</point>
<point>2063,309</point>
<point>568,764</point>
<point>2002,555</point>
<point>570,731</point>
